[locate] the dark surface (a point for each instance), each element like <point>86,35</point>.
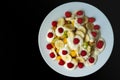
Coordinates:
<point>25,18</point>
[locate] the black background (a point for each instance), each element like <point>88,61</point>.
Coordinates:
<point>24,20</point>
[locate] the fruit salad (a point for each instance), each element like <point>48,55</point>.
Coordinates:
<point>75,41</point>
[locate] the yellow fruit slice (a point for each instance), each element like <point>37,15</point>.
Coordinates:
<point>89,48</point>
<point>61,22</point>
<point>80,59</point>
<point>83,29</point>
<point>67,58</point>
<point>89,26</point>
<point>80,33</point>
<point>70,34</point>
<point>58,58</point>
<point>85,19</point>
<point>65,40</point>
<point>59,44</point>
<point>73,53</point>
<point>87,38</point>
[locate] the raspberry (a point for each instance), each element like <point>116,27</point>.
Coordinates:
<point>91,19</point>
<point>94,34</point>
<point>61,62</point>
<point>70,65</point>
<point>50,34</point>
<point>60,30</point>
<point>49,46</point>
<point>91,59</point>
<point>83,53</point>
<point>80,65</point>
<point>100,44</point>
<point>54,23</point>
<point>76,41</point>
<point>52,55</point>
<point>96,27</point>
<point>68,14</point>
<point>79,13</point>
<point>79,20</point>
<point>64,52</point>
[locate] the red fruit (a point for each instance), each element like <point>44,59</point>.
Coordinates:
<point>80,65</point>
<point>64,52</point>
<point>76,41</point>
<point>79,13</point>
<point>49,46</point>
<point>61,62</point>
<point>70,65</point>
<point>68,14</point>
<point>94,34</point>
<point>80,20</point>
<point>54,23</point>
<point>91,59</point>
<point>96,27</point>
<point>52,55</point>
<point>50,35</point>
<point>83,53</point>
<point>100,44</point>
<point>60,30</point>
<point>91,19</point>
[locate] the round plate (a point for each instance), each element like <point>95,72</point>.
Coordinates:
<point>90,11</point>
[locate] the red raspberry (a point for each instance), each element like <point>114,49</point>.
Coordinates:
<point>91,59</point>
<point>76,41</point>
<point>52,55</point>
<point>91,19</point>
<point>80,65</point>
<point>83,53</point>
<point>61,62</point>
<point>79,13</point>
<point>50,35</point>
<point>70,65</point>
<point>100,44</point>
<point>80,20</point>
<point>54,23</point>
<point>94,34</point>
<point>60,30</point>
<point>68,14</point>
<point>49,46</point>
<point>96,27</point>
<point>64,52</point>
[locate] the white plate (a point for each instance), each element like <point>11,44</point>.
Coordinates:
<point>106,33</point>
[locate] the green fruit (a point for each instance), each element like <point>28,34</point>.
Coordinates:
<point>85,45</point>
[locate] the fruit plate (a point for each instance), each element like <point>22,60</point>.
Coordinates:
<point>106,33</point>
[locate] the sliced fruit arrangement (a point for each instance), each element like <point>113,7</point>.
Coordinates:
<point>75,40</point>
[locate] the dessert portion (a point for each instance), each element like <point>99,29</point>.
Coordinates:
<point>75,40</point>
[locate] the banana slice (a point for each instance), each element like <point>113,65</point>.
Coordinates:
<point>80,59</point>
<point>59,44</point>
<point>83,29</point>
<point>70,34</point>
<point>87,38</point>
<point>78,16</point>
<point>96,52</point>
<point>69,27</point>
<point>67,58</point>
<point>53,51</point>
<point>71,65</point>
<point>74,61</point>
<point>61,22</point>
<point>78,32</point>
<point>85,19</point>
<point>100,48</point>
<point>91,62</point>
<point>88,49</point>
<point>89,26</point>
